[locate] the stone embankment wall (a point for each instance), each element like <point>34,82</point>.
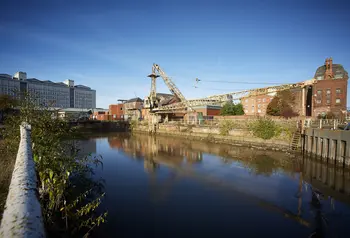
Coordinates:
<point>22,216</point>
<point>241,137</point>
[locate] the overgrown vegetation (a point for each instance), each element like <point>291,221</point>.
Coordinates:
<point>69,195</point>
<point>7,162</point>
<point>225,126</point>
<point>230,109</point>
<point>264,128</point>
<point>7,104</point>
<point>282,105</point>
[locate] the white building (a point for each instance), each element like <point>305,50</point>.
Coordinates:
<point>8,85</point>
<point>84,97</point>
<point>48,93</point>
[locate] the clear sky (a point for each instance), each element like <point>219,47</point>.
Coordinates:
<point>111,45</point>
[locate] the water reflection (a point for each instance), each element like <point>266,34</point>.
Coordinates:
<point>300,189</point>
<point>182,153</point>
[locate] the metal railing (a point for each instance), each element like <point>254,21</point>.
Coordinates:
<point>22,216</point>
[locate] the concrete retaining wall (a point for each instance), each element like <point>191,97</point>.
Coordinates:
<point>331,145</point>
<point>22,216</point>
<point>238,137</point>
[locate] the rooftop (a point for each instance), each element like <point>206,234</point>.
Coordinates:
<point>338,70</point>
<point>134,100</point>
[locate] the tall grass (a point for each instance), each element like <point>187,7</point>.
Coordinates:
<point>7,162</point>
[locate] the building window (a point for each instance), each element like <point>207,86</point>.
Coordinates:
<point>337,100</point>
<point>319,92</point>
<point>328,101</point>
<point>318,101</point>
<point>259,105</point>
<point>259,100</point>
<point>328,91</point>
<point>338,90</point>
<point>264,99</point>
<point>252,110</point>
<point>259,111</point>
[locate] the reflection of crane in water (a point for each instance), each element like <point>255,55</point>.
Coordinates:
<point>156,153</point>
<point>169,157</point>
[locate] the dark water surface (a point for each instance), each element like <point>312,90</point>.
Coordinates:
<point>173,187</point>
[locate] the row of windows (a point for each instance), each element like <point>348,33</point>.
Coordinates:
<point>259,106</point>
<point>258,100</point>
<point>253,111</point>
<point>328,91</point>
<point>328,101</point>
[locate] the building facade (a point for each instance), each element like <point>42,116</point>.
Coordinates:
<point>8,85</point>
<point>48,93</point>
<point>84,97</point>
<point>256,105</point>
<point>133,108</point>
<point>116,111</point>
<point>329,94</point>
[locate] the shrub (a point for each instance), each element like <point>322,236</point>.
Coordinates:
<point>225,126</point>
<point>264,128</point>
<point>68,192</point>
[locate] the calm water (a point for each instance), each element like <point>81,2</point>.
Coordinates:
<point>171,187</point>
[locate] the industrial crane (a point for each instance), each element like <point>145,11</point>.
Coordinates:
<point>187,105</point>
<point>169,83</point>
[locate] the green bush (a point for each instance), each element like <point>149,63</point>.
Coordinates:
<point>225,126</point>
<point>264,128</point>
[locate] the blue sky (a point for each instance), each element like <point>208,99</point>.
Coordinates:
<point>111,45</point>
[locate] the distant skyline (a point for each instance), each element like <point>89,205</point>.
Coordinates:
<point>110,46</point>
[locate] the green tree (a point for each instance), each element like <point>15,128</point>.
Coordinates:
<point>7,103</point>
<point>68,194</point>
<point>281,105</point>
<point>230,109</point>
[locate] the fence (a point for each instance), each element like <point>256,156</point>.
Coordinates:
<point>22,216</point>
<point>333,124</point>
<point>308,123</point>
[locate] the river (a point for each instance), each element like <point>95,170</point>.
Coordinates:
<point>174,187</point>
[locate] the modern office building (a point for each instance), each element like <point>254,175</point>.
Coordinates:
<point>63,95</point>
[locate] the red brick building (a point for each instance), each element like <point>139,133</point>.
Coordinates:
<point>256,105</point>
<point>101,115</point>
<point>116,111</point>
<point>329,94</point>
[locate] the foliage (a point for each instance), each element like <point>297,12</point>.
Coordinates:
<point>7,162</point>
<point>264,128</point>
<point>281,105</point>
<point>133,124</point>
<point>7,102</point>
<point>232,109</point>
<point>328,115</point>
<point>225,126</point>
<point>68,194</point>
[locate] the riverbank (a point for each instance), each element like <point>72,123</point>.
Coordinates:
<point>7,163</point>
<point>237,137</point>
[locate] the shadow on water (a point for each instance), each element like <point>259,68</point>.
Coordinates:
<point>307,193</point>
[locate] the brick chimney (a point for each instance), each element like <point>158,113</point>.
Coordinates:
<point>328,74</point>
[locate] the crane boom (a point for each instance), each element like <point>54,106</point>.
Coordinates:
<point>169,83</point>
<point>220,98</point>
